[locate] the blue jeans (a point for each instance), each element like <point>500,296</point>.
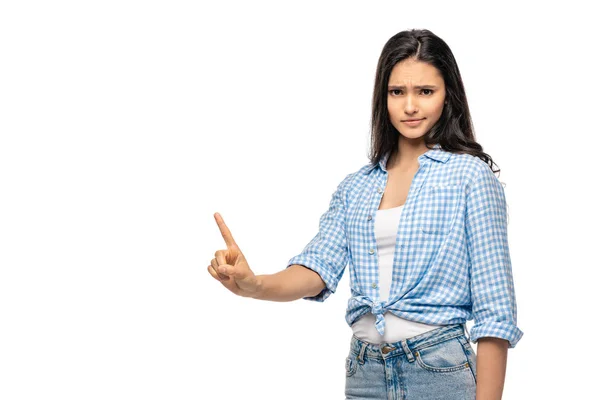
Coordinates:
<point>438,364</point>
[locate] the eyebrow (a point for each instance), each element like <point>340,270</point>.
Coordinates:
<point>392,87</point>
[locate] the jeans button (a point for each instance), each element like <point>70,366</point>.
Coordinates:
<point>387,349</point>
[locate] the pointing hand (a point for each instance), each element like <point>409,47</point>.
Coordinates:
<point>230,266</point>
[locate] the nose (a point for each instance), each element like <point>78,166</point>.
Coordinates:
<point>410,107</point>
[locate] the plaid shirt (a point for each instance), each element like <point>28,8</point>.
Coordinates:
<point>451,262</point>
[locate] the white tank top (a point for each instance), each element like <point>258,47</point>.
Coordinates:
<point>396,328</point>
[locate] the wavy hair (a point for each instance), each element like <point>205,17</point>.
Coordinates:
<point>454,130</point>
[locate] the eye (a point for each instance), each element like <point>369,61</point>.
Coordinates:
<point>428,90</point>
<point>395,92</point>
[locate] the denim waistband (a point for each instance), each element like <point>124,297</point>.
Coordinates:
<point>407,346</point>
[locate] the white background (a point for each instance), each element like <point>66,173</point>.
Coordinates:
<point>126,124</point>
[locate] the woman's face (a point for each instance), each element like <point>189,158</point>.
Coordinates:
<point>416,91</point>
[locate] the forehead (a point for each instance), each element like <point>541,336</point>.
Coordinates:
<point>413,71</point>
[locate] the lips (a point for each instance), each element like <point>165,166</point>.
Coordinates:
<point>413,122</point>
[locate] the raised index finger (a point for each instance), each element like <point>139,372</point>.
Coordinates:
<point>225,231</point>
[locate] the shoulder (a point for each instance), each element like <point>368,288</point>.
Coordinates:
<point>347,181</point>
<point>353,182</point>
<point>478,178</point>
<point>355,177</point>
<point>365,169</point>
<point>471,168</point>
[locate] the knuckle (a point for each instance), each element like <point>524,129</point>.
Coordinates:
<point>212,273</point>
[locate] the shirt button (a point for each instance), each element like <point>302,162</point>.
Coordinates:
<point>371,251</point>
<point>374,286</point>
<point>379,190</point>
<point>369,218</point>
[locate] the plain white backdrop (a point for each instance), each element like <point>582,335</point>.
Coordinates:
<point>125,125</point>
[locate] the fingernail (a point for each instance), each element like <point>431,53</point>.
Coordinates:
<point>222,269</point>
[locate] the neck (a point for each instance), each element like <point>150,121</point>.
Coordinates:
<point>406,156</point>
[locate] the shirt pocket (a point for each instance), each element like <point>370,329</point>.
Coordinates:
<point>436,210</point>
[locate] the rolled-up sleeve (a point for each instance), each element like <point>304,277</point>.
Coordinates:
<point>327,252</point>
<point>492,288</point>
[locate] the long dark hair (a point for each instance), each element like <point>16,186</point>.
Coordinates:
<point>454,130</point>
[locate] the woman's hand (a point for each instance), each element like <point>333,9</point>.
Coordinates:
<point>230,266</point>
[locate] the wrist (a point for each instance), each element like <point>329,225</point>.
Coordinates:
<point>260,288</point>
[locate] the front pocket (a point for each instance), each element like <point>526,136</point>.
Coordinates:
<point>447,356</point>
<point>351,365</point>
<point>436,209</point>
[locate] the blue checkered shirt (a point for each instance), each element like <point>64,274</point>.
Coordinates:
<point>451,262</point>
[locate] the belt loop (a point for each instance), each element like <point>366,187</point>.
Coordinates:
<point>361,354</point>
<point>466,332</point>
<point>407,351</point>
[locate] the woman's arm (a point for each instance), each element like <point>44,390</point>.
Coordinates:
<point>493,300</point>
<point>294,282</point>
<point>492,288</point>
<point>491,367</point>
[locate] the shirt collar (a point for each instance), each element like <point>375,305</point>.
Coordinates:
<point>436,153</point>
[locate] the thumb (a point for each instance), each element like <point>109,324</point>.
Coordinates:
<point>236,272</point>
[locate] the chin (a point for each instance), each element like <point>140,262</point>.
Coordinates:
<point>413,135</point>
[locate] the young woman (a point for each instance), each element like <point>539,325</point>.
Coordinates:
<point>423,229</point>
